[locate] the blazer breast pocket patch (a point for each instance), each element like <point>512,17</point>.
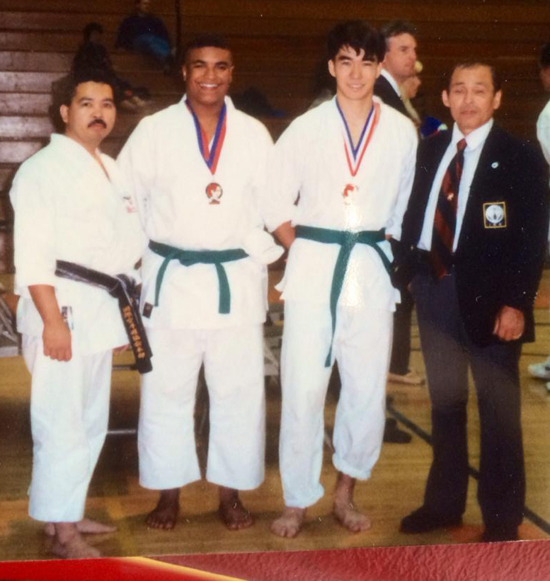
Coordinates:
<point>494,215</point>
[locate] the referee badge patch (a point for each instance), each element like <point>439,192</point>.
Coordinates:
<point>494,215</point>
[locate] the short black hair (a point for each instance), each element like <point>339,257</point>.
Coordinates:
<point>497,83</point>
<point>359,35</point>
<point>396,28</point>
<point>67,89</point>
<point>205,40</point>
<point>64,90</point>
<point>544,60</point>
<point>90,28</point>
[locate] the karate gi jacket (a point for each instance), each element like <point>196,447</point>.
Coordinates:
<point>67,209</point>
<point>308,175</point>
<point>170,181</point>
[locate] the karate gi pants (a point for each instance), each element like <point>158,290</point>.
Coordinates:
<point>69,418</point>
<point>361,346</point>
<point>234,370</point>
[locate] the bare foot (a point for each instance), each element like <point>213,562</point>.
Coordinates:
<point>348,516</point>
<point>344,510</point>
<point>69,544</point>
<point>289,524</point>
<point>85,526</point>
<point>231,510</point>
<point>165,514</point>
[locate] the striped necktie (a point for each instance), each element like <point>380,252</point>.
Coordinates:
<point>445,215</point>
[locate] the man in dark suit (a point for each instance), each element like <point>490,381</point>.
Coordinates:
<point>398,65</point>
<point>475,231</point>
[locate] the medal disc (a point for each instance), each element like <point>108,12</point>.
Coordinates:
<point>214,192</point>
<point>349,193</point>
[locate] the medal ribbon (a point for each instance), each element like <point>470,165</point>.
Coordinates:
<point>212,156</point>
<point>363,143</point>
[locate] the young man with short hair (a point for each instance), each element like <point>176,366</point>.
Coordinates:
<point>197,170</point>
<point>349,163</point>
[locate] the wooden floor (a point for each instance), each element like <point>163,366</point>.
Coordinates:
<point>395,488</point>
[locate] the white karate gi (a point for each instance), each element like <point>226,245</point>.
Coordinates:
<point>543,131</point>
<point>169,179</point>
<point>309,159</point>
<point>67,209</point>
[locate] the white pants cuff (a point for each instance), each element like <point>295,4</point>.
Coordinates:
<point>348,470</point>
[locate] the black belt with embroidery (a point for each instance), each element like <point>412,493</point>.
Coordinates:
<point>121,288</point>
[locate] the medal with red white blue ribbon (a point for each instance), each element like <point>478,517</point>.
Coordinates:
<point>211,156</point>
<point>355,155</point>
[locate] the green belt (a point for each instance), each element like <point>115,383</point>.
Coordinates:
<point>191,257</point>
<point>347,240</point>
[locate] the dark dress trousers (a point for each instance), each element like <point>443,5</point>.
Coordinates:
<point>498,262</point>
<point>401,345</point>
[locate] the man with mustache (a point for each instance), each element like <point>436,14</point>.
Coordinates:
<point>71,205</point>
<point>475,228</point>
<point>197,170</point>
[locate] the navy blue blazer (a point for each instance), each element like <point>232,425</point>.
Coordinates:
<point>502,244</point>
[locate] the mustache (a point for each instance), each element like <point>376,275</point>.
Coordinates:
<point>98,122</point>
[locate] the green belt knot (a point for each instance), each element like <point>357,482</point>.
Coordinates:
<point>191,257</point>
<point>347,240</point>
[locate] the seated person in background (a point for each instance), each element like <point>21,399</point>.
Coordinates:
<point>92,54</point>
<point>144,33</point>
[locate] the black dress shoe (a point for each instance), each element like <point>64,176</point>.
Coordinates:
<point>494,535</point>
<point>393,435</point>
<point>423,520</point>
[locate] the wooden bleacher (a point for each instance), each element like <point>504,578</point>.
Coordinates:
<point>277,45</point>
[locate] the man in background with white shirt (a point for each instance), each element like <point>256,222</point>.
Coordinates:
<point>476,225</point>
<point>397,67</point>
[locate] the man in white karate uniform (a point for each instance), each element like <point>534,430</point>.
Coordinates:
<point>351,161</point>
<point>197,170</point>
<point>71,204</point>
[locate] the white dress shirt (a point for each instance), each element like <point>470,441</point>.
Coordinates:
<point>474,146</point>
<point>391,81</point>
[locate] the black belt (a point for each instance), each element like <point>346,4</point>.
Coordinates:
<point>121,288</point>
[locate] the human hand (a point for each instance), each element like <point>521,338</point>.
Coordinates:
<point>509,324</point>
<point>57,340</point>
